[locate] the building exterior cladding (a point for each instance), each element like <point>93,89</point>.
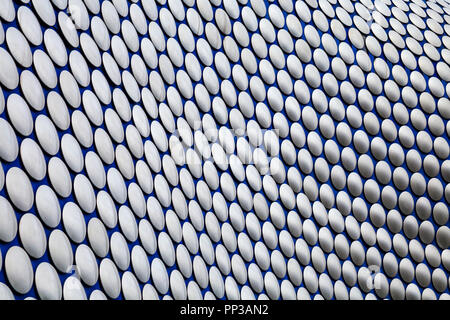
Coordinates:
<point>224,149</point>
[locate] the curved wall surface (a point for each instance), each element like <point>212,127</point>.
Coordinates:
<point>224,149</point>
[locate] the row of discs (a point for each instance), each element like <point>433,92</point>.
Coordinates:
<point>224,149</point>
